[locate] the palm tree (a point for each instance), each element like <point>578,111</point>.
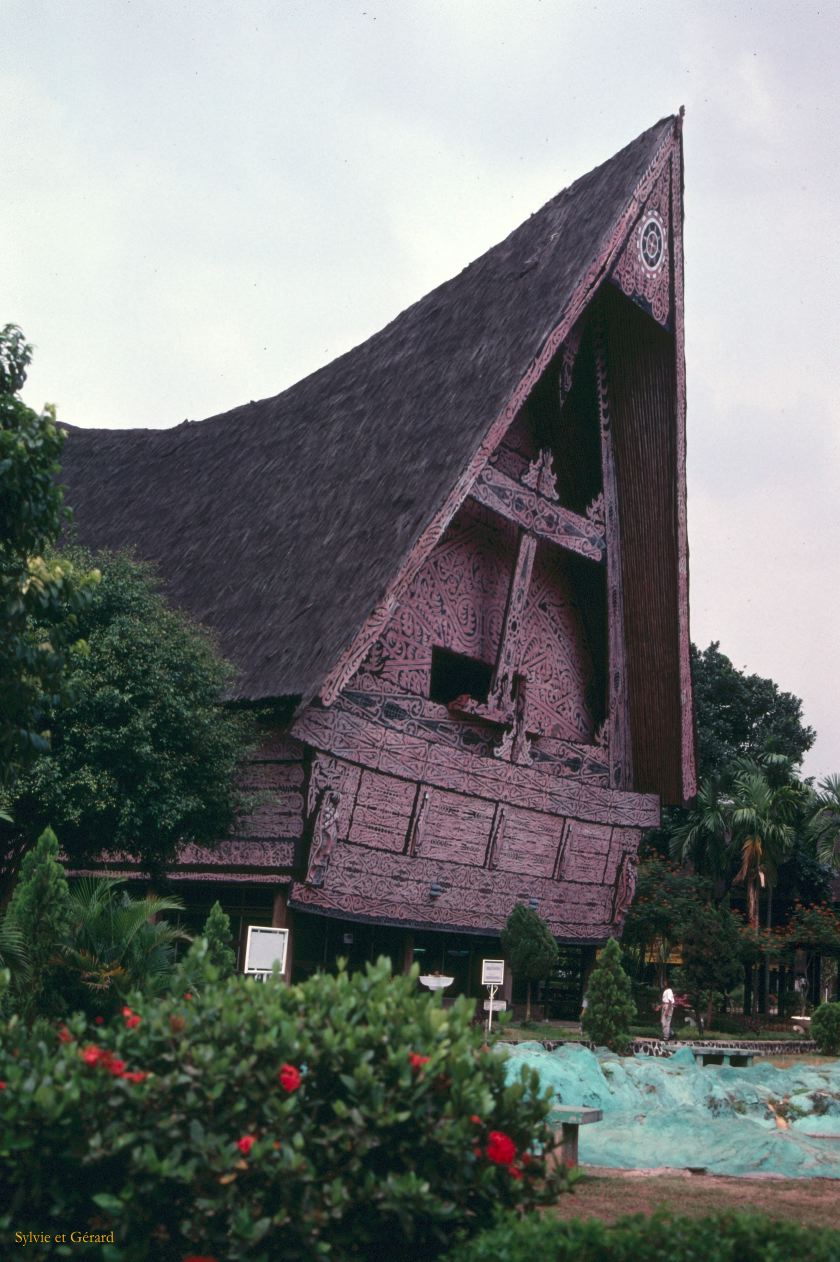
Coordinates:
<point>762,815</point>
<point>705,838</point>
<point>116,943</point>
<point>824,824</point>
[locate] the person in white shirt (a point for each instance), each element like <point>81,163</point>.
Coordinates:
<point>667,1010</point>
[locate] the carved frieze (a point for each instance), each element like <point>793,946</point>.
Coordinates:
<point>324,836</point>
<point>540,475</point>
<point>643,270</point>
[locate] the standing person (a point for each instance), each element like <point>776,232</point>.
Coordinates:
<point>667,1011</point>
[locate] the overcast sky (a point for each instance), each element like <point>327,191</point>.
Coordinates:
<point>205,200</point>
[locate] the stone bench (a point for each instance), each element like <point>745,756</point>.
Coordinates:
<point>571,1118</point>
<point>733,1056</point>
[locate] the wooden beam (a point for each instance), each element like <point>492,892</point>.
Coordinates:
<point>618,718</point>
<point>539,515</point>
<point>500,699</point>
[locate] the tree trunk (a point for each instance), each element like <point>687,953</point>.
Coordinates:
<point>748,988</point>
<point>710,1010</point>
<point>752,902</point>
<point>528,1001</point>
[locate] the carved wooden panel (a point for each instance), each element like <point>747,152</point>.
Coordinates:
<point>382,811</point>
<point>397,889</point>
<point>510,644</point>
<point>243,855</point>
<point>332,774</point>
<point>531,840</point>
<point>457,601</point>
<point>411,757</point>
<point>278,807</point>
<point>555,654</point>
<point>586,850</point>
<point>643,270</point>
<point>456,828</point>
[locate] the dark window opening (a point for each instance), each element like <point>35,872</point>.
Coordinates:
<point>456,675</point>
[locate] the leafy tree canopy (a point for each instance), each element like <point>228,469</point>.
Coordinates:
<point>740,715</point>
<point>530,947</point>
<point>143,755</point>
<point>35,592</point>
<point>711,949</point>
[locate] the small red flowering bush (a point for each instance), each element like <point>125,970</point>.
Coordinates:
<point>349,1117</point>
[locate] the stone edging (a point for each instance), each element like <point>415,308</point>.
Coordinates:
<point>657,1047</point>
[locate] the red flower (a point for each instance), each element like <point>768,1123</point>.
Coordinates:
<point>65,1035</point>
<point>289,1077</point>
<point>136,1075</point>
<point>187,995</point>
<point>2,1085</point>
<point>133,1021</point>
<point>476,1120</point>
<point>92,1054</point>
<point>127,1012</point>
<point>246,1143</point>
<point>514,1173</point>
<point>500,1148</point>
<point>199,1257</point>
<point>113,1064</point>
<point>416,1061</point>
<point>98,1020</point>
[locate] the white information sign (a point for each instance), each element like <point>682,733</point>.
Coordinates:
<point>492,972</point>
<point>495,1005</point>
<point>266,947</point>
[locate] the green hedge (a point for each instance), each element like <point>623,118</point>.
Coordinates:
<point>660,1238</point>
<point>825,1028</point>
<point>345,1117</point>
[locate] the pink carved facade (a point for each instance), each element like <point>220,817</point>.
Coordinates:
<point>503,723</point>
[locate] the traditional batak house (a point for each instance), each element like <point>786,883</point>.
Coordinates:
<point>455,563</point>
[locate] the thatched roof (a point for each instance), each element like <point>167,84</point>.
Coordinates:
<point>280,524</point>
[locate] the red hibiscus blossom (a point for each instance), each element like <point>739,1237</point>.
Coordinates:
<point>246,1143</point>
<point>113,1064</point>
<point>133,1021</point>
<point>289,1077</point>
<point>476,1120</point>
<point>416,1061</point>
<point>127,1012</point>
<point>92,1054</point>
<point>64,1035</point>
<point>500,1148</point>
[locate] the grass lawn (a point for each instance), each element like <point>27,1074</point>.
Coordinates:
<point>609,1194</point>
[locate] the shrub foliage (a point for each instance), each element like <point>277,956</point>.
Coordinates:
<point>825,1028</point>
<point>345,1117</point>
<point>661,1238</point>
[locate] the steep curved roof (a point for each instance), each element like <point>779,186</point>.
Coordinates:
<point>280,525</point>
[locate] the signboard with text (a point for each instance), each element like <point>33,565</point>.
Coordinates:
<point>492,972</point>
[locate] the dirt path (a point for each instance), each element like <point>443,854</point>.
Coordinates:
<point>608,1194</point>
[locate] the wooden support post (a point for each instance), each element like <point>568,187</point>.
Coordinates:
<point>501,695</point>
<point>618,716</point>
<point>408,950</point>
<point>282,917</point>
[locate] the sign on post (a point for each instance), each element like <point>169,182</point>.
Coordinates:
<point>492,972</point>
<point>264,949</point>
<point>492,976</point>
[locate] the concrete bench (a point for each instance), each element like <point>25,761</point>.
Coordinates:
<point>736,1057</point>
<point>571,1118</point>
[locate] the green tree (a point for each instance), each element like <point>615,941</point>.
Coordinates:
<point>740,715</point>
<point>665,898</point>
<point>610,1007</point>
<point>762,815</point>
<point>39,911</point>
<point>529,946</point>
<point>114,944</point>
<point>220,952</point>
<point>34,591</point>
<point>144,755</point>
<point>824,822</point>
<point>711,950</point>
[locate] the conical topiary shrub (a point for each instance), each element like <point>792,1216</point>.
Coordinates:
<point>610,1010</point>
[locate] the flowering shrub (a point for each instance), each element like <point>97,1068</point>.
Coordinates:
<point>345,1117</point>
